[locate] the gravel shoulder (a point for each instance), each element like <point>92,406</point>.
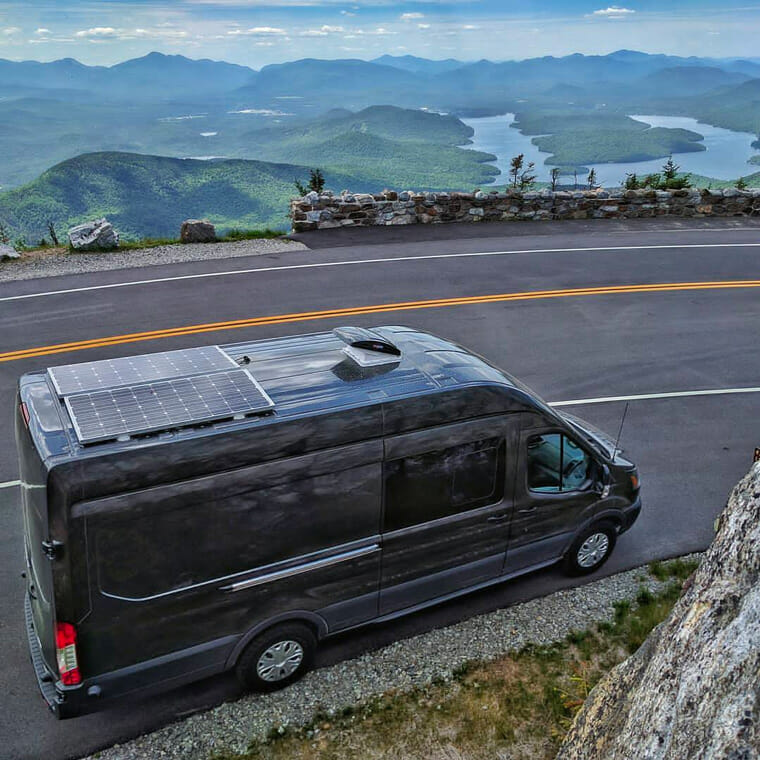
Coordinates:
<point>60,261</point>
<point>403,665</point>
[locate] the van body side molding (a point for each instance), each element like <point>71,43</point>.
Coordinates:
<point>306,567</point>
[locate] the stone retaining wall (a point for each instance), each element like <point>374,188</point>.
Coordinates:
<point>328,210</point>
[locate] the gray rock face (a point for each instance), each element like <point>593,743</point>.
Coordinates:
<point>8,252</point>
<point>693,688</point>
<point>197,231</point>
<point>94,236</point>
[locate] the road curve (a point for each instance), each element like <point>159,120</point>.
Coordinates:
<point>589,312</point>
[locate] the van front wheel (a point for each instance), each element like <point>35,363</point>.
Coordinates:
<point>591,549</point>
<point>276,657</point>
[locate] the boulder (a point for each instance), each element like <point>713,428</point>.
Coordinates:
<point>692,689</point>
<point>98,235</point>
<point>197,231</point>
<point>8,253</point>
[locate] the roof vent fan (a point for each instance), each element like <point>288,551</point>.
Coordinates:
<point>367,347</point>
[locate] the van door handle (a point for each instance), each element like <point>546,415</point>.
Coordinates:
<point>498,518</point>
<point>526,511</point>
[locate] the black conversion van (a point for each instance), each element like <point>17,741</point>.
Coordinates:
<point>192,511</point>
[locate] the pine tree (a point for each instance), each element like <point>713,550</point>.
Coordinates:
<point>741,184</point>
<point>515,167</point>
<point>316,183</point>
<point>632,181</point>
<point>554,176</point>
<point>527,178</point>
<point>670,169</point>
<point>592,179</point>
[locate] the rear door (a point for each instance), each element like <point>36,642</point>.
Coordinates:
<point>34,504</point>
<point>554,495</point>
<point>446,513</point>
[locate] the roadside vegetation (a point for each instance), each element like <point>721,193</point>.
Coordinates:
<point>519,706</point>
<point>44,245</point>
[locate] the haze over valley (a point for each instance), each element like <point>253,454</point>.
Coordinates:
<point>84,140</point>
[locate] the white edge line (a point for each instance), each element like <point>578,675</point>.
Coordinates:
<point>646,396</point>
<point>10,484</point>
<point>389,260</point>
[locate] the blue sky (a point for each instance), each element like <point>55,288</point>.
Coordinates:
<point>257,32</point>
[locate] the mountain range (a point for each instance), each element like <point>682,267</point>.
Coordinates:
<point>392,121</point>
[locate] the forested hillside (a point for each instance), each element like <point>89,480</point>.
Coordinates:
<point>150,196</point>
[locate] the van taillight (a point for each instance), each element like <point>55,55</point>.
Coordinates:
<point>66,653</point>
<point>24,414</point>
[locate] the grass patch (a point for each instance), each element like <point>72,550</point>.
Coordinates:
<point>230,236</point>
<point>235,234</point>
<point>679,569</point>
<point>518,706</point>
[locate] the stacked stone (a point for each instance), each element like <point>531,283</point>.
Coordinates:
<point>325,211</point>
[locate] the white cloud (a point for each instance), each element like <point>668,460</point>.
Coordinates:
<point>411,16</point>
<point>97,33</point>
<point>11,30</point>
<point>613,12</point>
<point>42,31</point>
<point>470,27</point>
<point>381,30</point>
<point>258,31</point>
<point>423,26</point>
<point>347,13</point>
<point>163,33</point>
<point>322,31</point>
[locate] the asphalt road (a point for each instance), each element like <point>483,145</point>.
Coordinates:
<point>690,449</point>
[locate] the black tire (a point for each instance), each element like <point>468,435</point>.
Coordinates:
<point>290,636</point>
<point>576,564</point>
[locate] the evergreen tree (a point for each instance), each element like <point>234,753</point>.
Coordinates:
<point>592,179</point>
<point>515,167</point>
<point>632,181</point>
<point>316,180</point>
<point>527,178</point>
<point>670,169</point>
<point>316,183</point>
<point>741,184</point>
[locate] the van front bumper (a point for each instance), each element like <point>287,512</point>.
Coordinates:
<point>630,514</point>
<point>64,701</point>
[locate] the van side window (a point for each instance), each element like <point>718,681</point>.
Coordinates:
<point>556,463</point>
<point>441,483</point>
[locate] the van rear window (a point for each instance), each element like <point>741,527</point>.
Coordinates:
<point>442,483</point>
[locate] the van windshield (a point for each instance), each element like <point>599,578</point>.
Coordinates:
<point>588,437</point>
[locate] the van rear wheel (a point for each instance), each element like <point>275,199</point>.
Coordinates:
<point>276,657</point>
<point>591,549</point>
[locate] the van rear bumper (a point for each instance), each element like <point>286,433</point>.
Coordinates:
<point>160,674</point>
<point>64,702</point>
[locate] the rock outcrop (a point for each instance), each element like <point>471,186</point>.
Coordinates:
<point>325,211</point>
<point>693,688</point>
<point>8,252</point>
<point>197,231</point>
<point>98,235</point>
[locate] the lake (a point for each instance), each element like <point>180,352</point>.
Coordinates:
<point>725,158</point>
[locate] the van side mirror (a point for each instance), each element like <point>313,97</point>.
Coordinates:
<point>602,485</point>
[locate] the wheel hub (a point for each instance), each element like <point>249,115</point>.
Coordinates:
<point>593,550</point>
<point>279,660</point>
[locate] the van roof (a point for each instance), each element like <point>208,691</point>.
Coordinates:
<point>320,372</point>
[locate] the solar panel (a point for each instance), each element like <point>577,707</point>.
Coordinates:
<point>105,414</point>
<point>130,370</point>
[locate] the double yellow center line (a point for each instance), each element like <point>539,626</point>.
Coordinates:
<point>305,316</point>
